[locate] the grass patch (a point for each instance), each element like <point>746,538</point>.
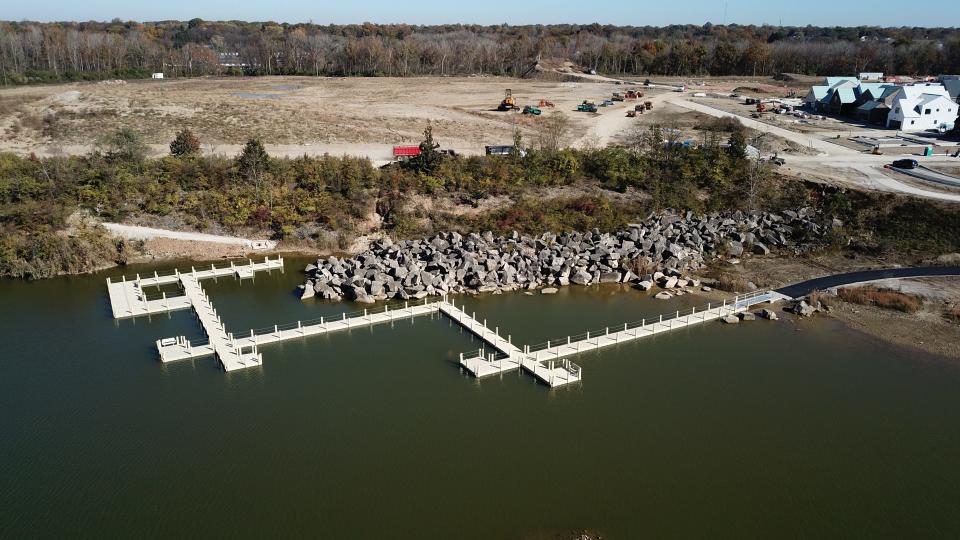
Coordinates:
<point>824,298</point>
<point>869,295</point>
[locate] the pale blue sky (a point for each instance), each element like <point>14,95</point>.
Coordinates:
<point>623,12</point>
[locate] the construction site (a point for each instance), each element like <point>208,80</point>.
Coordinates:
<point>383,118</point>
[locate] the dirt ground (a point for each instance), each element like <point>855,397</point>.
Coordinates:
<point>296,115</point>
<point>926,330</point>
<point>316,115</point>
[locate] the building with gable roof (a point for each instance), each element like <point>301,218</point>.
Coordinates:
<point>920,107</point>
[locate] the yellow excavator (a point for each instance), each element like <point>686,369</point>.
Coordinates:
<point>509,103</point>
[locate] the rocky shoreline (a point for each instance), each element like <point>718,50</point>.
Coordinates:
<point>663,248</point>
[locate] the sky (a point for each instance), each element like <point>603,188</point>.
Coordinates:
<point>620,12</point>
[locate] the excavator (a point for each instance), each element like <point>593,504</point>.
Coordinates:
<point>509,103</point>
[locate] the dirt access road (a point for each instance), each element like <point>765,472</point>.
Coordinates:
<point>835,163</point>
<point>136,232</point>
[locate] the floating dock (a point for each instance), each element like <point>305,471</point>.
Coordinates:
<point>548,362</point>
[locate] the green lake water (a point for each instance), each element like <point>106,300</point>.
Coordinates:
<point>789,429</point>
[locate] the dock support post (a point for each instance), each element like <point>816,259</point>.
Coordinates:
<point>300,328</point>
<point>276,331</point>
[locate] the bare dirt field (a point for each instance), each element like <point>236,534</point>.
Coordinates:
<point>310,115</point>
<point>297,115</point>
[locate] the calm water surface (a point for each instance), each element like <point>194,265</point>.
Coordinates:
<point>762,430</point>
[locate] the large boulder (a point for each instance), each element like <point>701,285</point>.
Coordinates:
<point>644,285</point>
<point>308,291</point>
<point>768,314</point>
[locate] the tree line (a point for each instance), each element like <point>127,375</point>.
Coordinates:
<point>322,200</point>
<point>44,52</point>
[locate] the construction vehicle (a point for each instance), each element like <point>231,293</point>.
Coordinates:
<point>761,107</point>
<point>587,106</point>
<point>648,105</point>
<point>530,109</point>
<point>617,96</point>
<point>606,103</point>
<point>544,103</point>
<point>633,94</point>
<point>403,153</point>
<point>509,102</point>
<point>631,113</point>
<point>503,150</point>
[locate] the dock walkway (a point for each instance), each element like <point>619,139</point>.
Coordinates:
<point>591,341</point>
<point>180,348</point>
<point>129,299</point>
<point>548,362</point>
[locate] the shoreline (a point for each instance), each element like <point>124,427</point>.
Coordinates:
<point>924,332</point>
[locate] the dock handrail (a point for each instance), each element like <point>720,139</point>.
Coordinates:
<point>739,302</point>
<point>335,317</point>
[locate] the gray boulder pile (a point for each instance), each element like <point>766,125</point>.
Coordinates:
<point>661,249</point>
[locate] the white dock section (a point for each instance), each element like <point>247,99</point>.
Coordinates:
<point>591,341</point>
<point>232,355</point>
<point>506,356</point>
<point>547,362</point>
<point>128,298</point>
<point>180,348</point>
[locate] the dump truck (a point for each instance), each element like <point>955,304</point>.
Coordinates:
<point>530,109</point>
<point>402,153</point>
<point>509,102</point>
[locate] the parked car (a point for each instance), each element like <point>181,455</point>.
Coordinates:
<point>905,164</point>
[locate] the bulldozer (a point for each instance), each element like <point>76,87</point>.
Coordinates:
<point>544,104</point>
<point>509,102</point>
<point>530,109</point>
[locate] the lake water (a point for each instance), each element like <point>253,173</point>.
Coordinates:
<point>761,430</point>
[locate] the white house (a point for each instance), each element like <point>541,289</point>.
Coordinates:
<point>920,107</point>
<point>870,76</point>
